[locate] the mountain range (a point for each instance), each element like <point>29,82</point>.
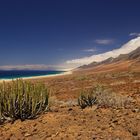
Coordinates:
<point>133,56</point>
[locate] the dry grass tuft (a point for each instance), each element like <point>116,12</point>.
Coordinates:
<point>102,98</point>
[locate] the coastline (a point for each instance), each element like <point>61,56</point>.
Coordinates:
<point>38,77</point>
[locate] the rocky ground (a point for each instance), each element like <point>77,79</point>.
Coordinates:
<point>76,124</point>
<point>67,121</point>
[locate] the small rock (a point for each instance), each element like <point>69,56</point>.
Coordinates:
<point>48,136</point>
<point>138,117</point>
<point>35,125</point>
<point>35,130</point>
<point>79,134</point>
<point>135,133</point>
<point>112,125</point>
<point>115,121</point>
<point>11,134</point>
<point>70,109</point>
<point>126,113</point>
<point>136,110</point>
<point>27,134</point>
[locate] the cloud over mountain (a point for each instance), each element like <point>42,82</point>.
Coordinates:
<point>126,48</point>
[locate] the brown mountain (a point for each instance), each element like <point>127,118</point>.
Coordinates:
<point>132,56</point>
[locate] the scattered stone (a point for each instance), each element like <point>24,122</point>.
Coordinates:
<point>75,119</point>
<point>44,122</point>
<point>103,128</point>
<point>136,110</point>
<point>11,134</point>
<point>48,136</point>
<point>138,117</point>
<point>27,134</point>
<point>79,134</point>
<point>115,121</point>
<point>135,133</point>
<point>126,113</point>
<point>70,109</point>
<point>34,130</point>
<point>136,138</point>
<point>112,125</point>
<point>35,125</point>
<point>57,133</point>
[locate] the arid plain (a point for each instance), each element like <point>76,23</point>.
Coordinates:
<point>67,121</point>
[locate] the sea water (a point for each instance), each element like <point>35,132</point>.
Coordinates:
<point>13,74</point>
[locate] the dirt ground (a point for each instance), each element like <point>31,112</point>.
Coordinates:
<point>67,121</point>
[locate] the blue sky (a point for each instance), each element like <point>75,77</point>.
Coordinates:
<point>51,32</point>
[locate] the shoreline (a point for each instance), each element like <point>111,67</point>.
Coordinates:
<point>38,77</point>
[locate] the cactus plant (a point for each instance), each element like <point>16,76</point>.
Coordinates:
<point>22,100</point>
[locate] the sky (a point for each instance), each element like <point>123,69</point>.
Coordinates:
<point>52,33</point>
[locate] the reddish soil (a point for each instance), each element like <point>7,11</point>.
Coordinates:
<point>66,121</point>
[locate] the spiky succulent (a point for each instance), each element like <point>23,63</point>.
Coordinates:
<point>22,100</point>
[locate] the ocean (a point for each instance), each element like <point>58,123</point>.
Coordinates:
<point>14,74</point>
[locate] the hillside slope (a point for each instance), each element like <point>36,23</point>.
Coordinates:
<point>133,57</point>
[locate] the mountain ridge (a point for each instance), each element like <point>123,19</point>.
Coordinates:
<point>126,48</point>
<point>134,55</point>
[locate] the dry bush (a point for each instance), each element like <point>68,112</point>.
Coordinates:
<point>102,98</point>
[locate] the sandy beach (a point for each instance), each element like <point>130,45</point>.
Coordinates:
<point>38,77</point>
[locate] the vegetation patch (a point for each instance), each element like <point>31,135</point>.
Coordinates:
<point>102,97</point>
<point>82,78</point>
<point>22,100</point>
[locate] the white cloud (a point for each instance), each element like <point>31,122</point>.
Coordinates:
<point>90,50</point>
<point>19,67</point>
<point>126,48</point>
<point>32,67</point>
<point>134,34</point>
<point>104,41</point>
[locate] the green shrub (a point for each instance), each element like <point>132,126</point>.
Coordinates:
<point>22,100</point>
<point>86,99</point>
<point>103,98</point>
